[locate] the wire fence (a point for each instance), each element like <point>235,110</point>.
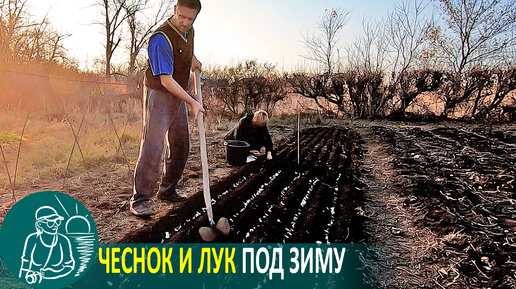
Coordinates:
<point>55,91</point>
<point>62,78</point>
<point>75,130</point>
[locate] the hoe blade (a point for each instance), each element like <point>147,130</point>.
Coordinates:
<point>223,226</point>
<point>208,234</point>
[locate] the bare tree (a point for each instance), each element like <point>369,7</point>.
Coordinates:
<point>478,34</point>
<point>392,47</point>
<point>23,39</point>
<point>488,89</point>
<point>369,52</point>
<point>322,45</point>
<point>252,84</point>
<point>320,86</point>
<point>509,57</point>
<point>246,86</point>
<point>407,29</point>
<point>42,42</point>
<point>367,60</point>
<point>143,16</point>
<point>114,15</point>
<point>13,19</point>
<point>322,48</point>
<point>274,91</point>
<point>365,92</point>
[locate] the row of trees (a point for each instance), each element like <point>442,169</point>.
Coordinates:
<point>466,57</point>
<point>245,86</point>
<point>367,95</point>
<point>250,85</point>
<point>140,18</point>
<point>24,39</point>
<point>126,23</point>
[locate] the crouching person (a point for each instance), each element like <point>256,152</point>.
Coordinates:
<point>252,128</point>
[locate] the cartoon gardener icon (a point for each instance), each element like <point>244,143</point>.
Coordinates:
<point>47,254</point>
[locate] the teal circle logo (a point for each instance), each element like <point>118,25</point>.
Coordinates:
<point>48,240</point>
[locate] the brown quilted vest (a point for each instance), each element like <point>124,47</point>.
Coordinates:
<point>183,52</point>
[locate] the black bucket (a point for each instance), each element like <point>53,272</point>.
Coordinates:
<point>236,152</point>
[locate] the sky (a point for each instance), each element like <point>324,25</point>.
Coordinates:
<point>227,31</point>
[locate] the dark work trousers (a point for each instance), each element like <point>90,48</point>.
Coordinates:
<point>164,144</point>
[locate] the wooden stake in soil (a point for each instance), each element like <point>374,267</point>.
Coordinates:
<point>73,146</point>
<point>76,138</point>
<point>298,136</point>
<point>123,132</point>
<point>121,147</point>
<point>7,169</point>
<point>18,154</point>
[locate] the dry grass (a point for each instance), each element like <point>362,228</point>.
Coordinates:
<point>48,141</point>
<point>47,145</point>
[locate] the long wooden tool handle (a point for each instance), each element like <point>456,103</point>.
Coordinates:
<point>204,155</point>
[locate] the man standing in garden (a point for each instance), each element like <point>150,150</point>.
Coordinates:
<point>165,119</point>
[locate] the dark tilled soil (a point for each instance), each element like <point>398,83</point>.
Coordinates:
<point>459,184</point>
<point>278,200</point>
<point>439,202</point>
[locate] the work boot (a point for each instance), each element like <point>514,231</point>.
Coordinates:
<point>173,196</point>
<point>142,209</point>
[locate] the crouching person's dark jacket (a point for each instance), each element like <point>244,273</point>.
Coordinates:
<point>256,136</point>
